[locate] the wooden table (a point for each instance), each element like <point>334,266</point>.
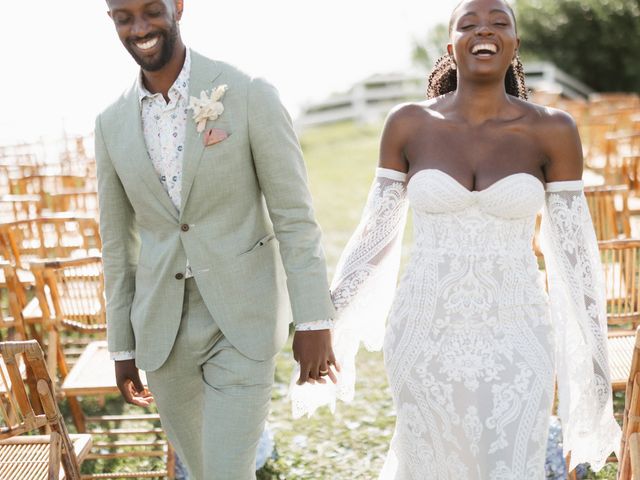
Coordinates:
<point>93,373</point>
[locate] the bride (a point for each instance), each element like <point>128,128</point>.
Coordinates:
<point>474,345</point>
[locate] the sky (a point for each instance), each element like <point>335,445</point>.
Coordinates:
<point>63,62</point>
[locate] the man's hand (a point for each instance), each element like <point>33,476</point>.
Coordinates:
<point>129,384</point>
<point>312,349</point>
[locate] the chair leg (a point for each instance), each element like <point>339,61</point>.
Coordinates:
<point>77,414</point>
<point>571,475</point>
<point>171,462</point>
<point>55,453</point>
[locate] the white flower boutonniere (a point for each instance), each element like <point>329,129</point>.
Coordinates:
<point>207,107</point>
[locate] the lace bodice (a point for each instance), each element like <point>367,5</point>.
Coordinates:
<point>481,240</point>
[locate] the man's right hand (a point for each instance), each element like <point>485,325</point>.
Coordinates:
<point>129,384</point>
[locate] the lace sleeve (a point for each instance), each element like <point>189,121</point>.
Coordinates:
<point>578,308</point>
<point>362,290</point>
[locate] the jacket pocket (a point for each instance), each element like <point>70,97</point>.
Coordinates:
<point>260,243</point>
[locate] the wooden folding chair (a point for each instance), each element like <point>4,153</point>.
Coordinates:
<point>54,236</point>
<point>71,295</point>
<point>631,418</point>
<point>594,142</point>
<point>619,259</point>
<point>609,221</point>
<point>19,207</point>
<point>46,184</point>
<point>77,203</point>
<point>34,457</point>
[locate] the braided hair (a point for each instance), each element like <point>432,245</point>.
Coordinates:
<point>444,76</point>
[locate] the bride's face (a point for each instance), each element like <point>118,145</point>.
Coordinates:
<point>483,38</point>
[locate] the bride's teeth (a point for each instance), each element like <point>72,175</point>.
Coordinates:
<point>148,44</point>
<point>484,46</point>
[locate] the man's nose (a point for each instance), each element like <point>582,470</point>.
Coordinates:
<point>140,27</point>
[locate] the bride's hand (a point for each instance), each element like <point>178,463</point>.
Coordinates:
<point>312,349</point>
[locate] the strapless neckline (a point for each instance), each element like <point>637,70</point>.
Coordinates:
<point>471,192</point>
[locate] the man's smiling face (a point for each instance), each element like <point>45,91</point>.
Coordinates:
<point>148,29</point>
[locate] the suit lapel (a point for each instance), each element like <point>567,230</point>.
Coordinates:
<point>132,130</point>
<point>202,76</point>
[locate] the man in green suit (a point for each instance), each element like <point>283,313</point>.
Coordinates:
<point>209,243</point>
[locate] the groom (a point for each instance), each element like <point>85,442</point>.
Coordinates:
<point>209,243</point>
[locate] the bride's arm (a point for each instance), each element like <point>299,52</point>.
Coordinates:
<point>364,284</point>
<point>578,304</point>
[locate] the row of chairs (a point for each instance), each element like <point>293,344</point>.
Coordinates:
<point>68,306</point>
<point>25,207</point>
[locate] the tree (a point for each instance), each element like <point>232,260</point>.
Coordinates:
<point>597,41</point>
<point>426,53</point>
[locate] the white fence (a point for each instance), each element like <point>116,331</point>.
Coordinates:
<point>371,99</point>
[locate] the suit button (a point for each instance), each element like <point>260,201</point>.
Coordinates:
<point>179,276</point>
<point>184,227</point>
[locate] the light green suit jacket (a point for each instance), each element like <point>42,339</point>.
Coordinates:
<point>252,242</point>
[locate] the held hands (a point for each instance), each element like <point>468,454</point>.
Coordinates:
<point>312,350</point>
<point>130,385</point>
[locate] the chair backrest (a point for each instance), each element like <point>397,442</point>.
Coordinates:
<point>49,237</point>
<point>80,202</point>
<point>19,207</point>
<point>71,293</point>
<point>622,283</point>
<point>12,301</point>
<point>610,221</point>
<point>631,172</point>
<point>594,141</point>
<point>46,184</point>
<point>25,408</point>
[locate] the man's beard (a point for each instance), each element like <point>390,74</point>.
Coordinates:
<point>168,39</point>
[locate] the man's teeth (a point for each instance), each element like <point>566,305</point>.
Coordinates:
<point>485,48</point>
<point>148,44</point>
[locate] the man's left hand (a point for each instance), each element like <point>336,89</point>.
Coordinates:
<point>312,349</point>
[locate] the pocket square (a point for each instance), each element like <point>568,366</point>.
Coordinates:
<point>213,136</point>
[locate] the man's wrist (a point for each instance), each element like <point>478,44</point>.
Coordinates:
<point>315,325</point>
<point>123,355</point>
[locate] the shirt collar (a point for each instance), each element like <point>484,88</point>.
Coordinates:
<point>181,84</point>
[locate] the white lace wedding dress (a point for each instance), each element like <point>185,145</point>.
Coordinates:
<point>474,344</point>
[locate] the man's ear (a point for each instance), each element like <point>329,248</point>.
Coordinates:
<point>450,49</point>
<point>179,8</point>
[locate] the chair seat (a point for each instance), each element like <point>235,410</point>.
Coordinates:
<point>25,277</point>
<point>27,456</point>
<point>620,354</point>
<point>32,310</point>
<point>93,373</point>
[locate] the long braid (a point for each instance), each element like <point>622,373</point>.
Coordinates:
<point>444,78</point>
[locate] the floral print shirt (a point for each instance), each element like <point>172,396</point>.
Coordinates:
<point>164,128</point>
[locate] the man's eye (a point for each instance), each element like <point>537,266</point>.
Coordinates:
<point>467,27</point>
<point>154,13</point>
<point>501,24</point>
<point>121,19</point>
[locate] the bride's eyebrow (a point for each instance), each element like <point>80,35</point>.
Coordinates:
<point>495,10</point>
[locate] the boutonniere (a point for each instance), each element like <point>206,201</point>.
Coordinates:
<point>207,107</point>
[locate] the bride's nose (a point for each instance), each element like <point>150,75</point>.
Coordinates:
<point>484,31</point>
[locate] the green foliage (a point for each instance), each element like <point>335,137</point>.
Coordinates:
<point>425,53</point>
<point>597,41</point>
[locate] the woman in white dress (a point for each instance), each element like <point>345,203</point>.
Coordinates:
<point>474,344</point>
